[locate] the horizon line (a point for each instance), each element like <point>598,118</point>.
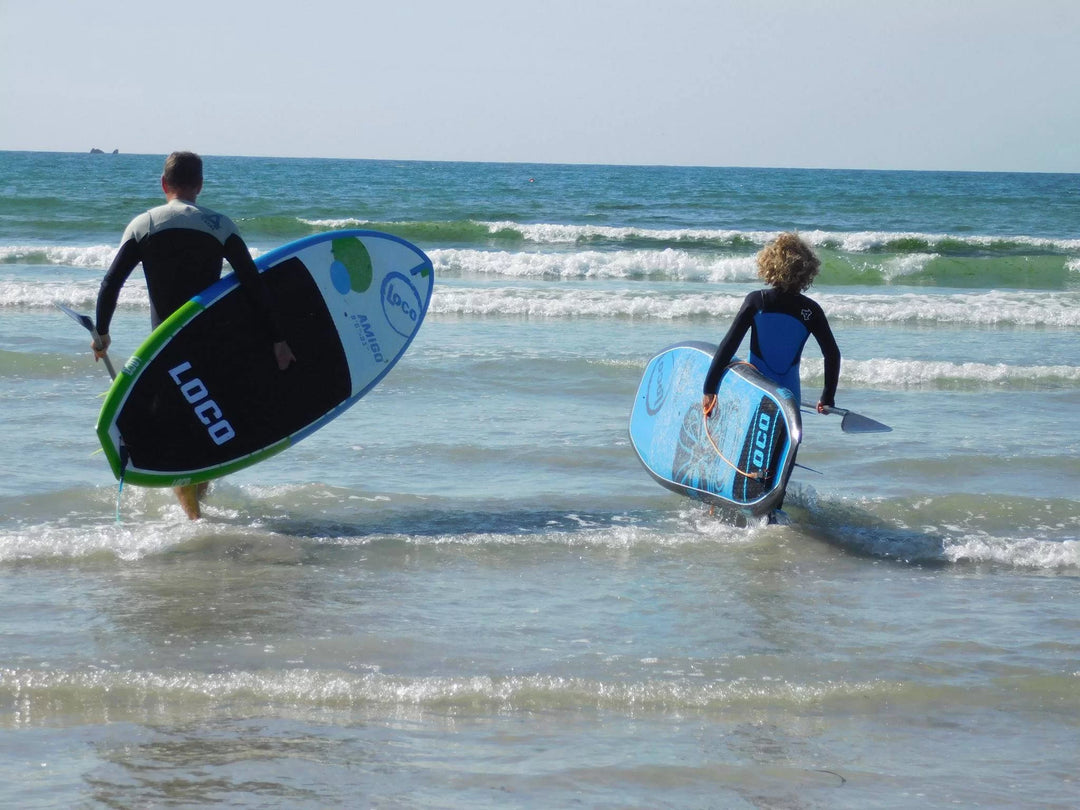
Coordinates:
<point>581,163</point>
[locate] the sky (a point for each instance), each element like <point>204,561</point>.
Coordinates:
<point>973,85</point>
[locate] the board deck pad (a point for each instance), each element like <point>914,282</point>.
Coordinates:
<point>740,458</point>
<point>203,395</point>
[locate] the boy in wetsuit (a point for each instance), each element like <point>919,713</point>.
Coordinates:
<point>780,319</point>
<point>181,246</point>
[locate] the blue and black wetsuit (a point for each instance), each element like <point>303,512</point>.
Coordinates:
<point>181,246</point>
<point>779,325</point>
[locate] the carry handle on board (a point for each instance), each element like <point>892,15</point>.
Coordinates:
<point>852,422</point>
<point>88,324</point>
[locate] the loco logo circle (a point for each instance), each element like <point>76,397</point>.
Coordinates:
<point>656,389</point>
<point>401,304</point>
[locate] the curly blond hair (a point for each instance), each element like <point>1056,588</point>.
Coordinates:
<point>788,263</point>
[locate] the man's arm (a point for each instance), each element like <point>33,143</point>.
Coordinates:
<point>237,253</point>
<point>126,260</point>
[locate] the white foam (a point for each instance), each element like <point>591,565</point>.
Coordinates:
<point>668,263</point>
<point>92,256</point>
<point>987,309</point>
<point>126,542</point>
<point>849,241</point>
<point>904,374</point>
<point>865,241</point>
<point>550,233</point>
<point>640,298</point>
<point>992,308</point>
<point>41,293</point>
<point>897,267</point>
<point>542,303</point>
<point>1023,553</point>
<point>83,257</point>
<point>336,223</point>
<point>80,295</point>
<point>105,694</point>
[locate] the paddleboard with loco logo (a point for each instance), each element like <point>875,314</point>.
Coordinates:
<point>203,397</point>
<point>741,457</point>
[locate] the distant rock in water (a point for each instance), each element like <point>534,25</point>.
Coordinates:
<point>96,151</point>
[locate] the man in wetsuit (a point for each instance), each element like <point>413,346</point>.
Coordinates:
<point>181,246</point>
<point>780,319</point>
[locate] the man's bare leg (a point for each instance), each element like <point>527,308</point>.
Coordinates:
<point>189,496</point>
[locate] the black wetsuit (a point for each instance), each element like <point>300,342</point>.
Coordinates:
<point>779,325</point>
<point>181,246</point>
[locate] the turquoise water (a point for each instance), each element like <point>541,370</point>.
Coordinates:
<point>503,609</point>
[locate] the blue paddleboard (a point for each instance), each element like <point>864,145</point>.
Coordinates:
<point>203,395</point>
<point>741,457</point>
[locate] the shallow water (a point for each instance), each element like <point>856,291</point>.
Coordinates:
<point>467,592</point>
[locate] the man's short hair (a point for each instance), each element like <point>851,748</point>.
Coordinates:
<point>183,170</point>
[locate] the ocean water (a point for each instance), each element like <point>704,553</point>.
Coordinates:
<point>502,609</point>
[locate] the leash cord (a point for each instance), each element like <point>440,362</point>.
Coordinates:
<point>763,474</point>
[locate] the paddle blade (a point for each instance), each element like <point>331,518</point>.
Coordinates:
<point>852,422</point>
<point>857,423</point>
<point>87,323</point>
<point>82,320</point>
